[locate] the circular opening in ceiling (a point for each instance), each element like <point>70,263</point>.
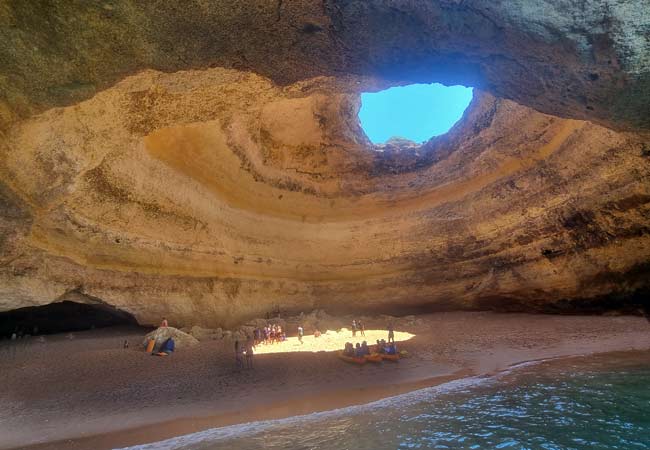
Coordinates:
<point>416,112</point>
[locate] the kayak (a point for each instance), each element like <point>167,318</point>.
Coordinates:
<point>351,359</point>
<point>388,357</point>
<point>374,357</point>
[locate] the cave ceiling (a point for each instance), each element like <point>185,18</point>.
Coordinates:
<point>204,160</point>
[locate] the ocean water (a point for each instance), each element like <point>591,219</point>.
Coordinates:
<point>596,402</point>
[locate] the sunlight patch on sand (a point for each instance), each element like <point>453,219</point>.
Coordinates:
<point>328,342</point>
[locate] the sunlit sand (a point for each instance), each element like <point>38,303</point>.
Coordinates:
<point>329,341</point>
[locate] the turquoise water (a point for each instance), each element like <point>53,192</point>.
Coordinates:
<point>600,402</point>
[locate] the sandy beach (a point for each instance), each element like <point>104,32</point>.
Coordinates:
<point>85,391</point>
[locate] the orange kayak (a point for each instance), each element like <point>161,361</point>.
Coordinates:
<point>387,357</point>
<point>374,357</point>
<point>351,359</point>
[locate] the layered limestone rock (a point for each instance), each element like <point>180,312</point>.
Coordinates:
<point>585,60</point>
<point>214,196</point>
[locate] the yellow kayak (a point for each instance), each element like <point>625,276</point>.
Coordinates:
<point>351,359</point>
<point>387,357</point>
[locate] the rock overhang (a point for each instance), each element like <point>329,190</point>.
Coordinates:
<point>584,60</point>
<point>212,194</point>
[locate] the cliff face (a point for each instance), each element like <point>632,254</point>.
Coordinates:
<point>215,195</point>
<point>204,161</point>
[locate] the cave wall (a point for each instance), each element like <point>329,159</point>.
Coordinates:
<point>202,160</point>
<point>211,196</point>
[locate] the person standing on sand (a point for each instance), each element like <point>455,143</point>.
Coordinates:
<point>164,323</point>
<point>391,333</point>
<point>249,354</point>
<point>354,328</point>
<point>361,328</point>
<point>239,364</point>
<point>301,332</point>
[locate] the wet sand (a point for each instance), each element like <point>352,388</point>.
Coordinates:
<point>87,392</point>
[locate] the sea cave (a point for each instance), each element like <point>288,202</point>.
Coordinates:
<point>472,176</point>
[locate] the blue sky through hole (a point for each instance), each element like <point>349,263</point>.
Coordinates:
<point>416,112</point>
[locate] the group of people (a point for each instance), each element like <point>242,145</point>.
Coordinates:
<point>270,334</point>
<point>362,349</point>
<point>386,348</point>
<point>358,326</point>
<point>382,346</point>
<point>22,332</point>
<point>359,351</point>
<point>273,333</point>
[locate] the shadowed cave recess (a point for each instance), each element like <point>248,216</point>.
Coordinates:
<point>61,317</point>
<point>212,166</point>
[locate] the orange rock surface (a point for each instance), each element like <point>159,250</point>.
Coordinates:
<point>212,196</point>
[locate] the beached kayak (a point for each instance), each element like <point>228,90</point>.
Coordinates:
<point>374,357</point>
<point>387,357</point>
<point>351,359</point>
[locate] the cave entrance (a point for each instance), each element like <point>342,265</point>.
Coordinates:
<point>416,112</point>
<point>62,317</point>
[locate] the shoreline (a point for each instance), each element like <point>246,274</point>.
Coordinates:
<point>318,403</point>
<point>500,342</point>
<point>321,402</point>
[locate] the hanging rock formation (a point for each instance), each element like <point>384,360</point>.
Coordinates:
<point>240,181</point>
